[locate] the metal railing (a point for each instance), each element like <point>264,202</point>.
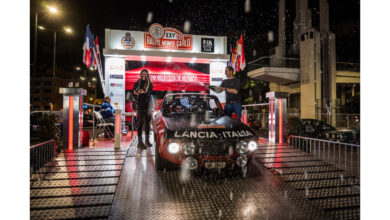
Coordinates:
<point>342,155</point>
<point>257,117</point>
<point>40,154</point>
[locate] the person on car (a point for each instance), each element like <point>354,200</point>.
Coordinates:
<point>231,86</point>
<point>143,91</point>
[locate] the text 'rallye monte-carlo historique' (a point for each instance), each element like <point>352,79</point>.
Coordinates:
<point>192,130</point>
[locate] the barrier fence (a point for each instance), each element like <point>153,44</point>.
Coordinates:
<point>342,155</point>
<point>40,154</point>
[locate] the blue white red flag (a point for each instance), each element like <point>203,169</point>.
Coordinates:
<point>87,47</point>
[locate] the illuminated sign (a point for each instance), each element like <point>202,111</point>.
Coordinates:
<point>159,37</point>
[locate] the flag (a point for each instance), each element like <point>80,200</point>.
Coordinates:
<point>92,48</point>
<point>230,57</point>
<point>234,59</point>
<point>87,47</point>
<point>241,54</point>
<point>97,55</point>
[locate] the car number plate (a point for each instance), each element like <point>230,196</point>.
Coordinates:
<point>215,165</point>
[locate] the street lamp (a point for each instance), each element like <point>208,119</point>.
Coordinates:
<point>52,10</point>
<point>67,30</point>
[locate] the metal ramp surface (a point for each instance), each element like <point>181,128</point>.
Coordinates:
<point>324,185</point>
<point>77,184</point>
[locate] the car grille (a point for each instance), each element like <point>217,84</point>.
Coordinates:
<point>214,148</point>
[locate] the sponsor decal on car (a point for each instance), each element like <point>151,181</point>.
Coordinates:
<point>212,134</point>
<point>210,126</point>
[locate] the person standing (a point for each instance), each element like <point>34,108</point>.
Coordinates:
<point>143,91</point>
<point>231,86</point>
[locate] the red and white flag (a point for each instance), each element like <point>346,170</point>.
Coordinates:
<point>97,55</point>
<point>241,54</point>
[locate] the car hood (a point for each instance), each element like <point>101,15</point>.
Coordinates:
<point>196,127</point>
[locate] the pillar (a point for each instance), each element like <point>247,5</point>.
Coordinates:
<point>73,116</point>
<point>277,117</point>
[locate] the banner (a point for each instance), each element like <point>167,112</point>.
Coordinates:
<point>159,37</point>
<point>170,77</point>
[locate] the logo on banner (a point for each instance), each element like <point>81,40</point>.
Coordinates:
<point>116,76</point>
<point>207,45</point>
<point>159,37</point>
<point>128,41</point>
<point>119,85</point>
<point>156,30</point>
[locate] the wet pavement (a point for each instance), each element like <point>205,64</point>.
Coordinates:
<point>103,183</point>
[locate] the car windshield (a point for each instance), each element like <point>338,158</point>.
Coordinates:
<point>191,104</point>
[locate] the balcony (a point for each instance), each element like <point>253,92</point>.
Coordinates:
<point>277,70</point>
<point>287,70</point>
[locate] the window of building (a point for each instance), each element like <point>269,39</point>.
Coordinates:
<point>47,83</point>
<point>93,85</point>
<point>37,83</point>
<point>76,84</point>
<point>47,91</point>
<point>70,84</point>
<point>36,99</point>
<point>89,84</point>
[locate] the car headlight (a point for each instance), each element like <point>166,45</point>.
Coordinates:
<point>241,147</point>
<point>189,149</point>
<point>173,147</point>
<point>252,145</point>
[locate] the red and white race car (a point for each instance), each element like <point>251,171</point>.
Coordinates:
<point>191,129</point>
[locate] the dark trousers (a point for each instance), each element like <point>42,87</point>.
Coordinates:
<point>143,118</point>
<point>233,107</point>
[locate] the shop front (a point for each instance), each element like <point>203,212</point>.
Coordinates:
<point>176,62</point>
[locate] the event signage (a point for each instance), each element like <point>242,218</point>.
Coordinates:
<point>159,37</point>
<point>115,70</point>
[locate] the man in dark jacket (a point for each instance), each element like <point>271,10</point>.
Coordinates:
<point>143,91</point>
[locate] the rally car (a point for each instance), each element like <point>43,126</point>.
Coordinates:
<point>191,130</point>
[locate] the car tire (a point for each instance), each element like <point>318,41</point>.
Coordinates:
<point>159,162</point>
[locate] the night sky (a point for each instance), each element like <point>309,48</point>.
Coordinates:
<point>207,17</point>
